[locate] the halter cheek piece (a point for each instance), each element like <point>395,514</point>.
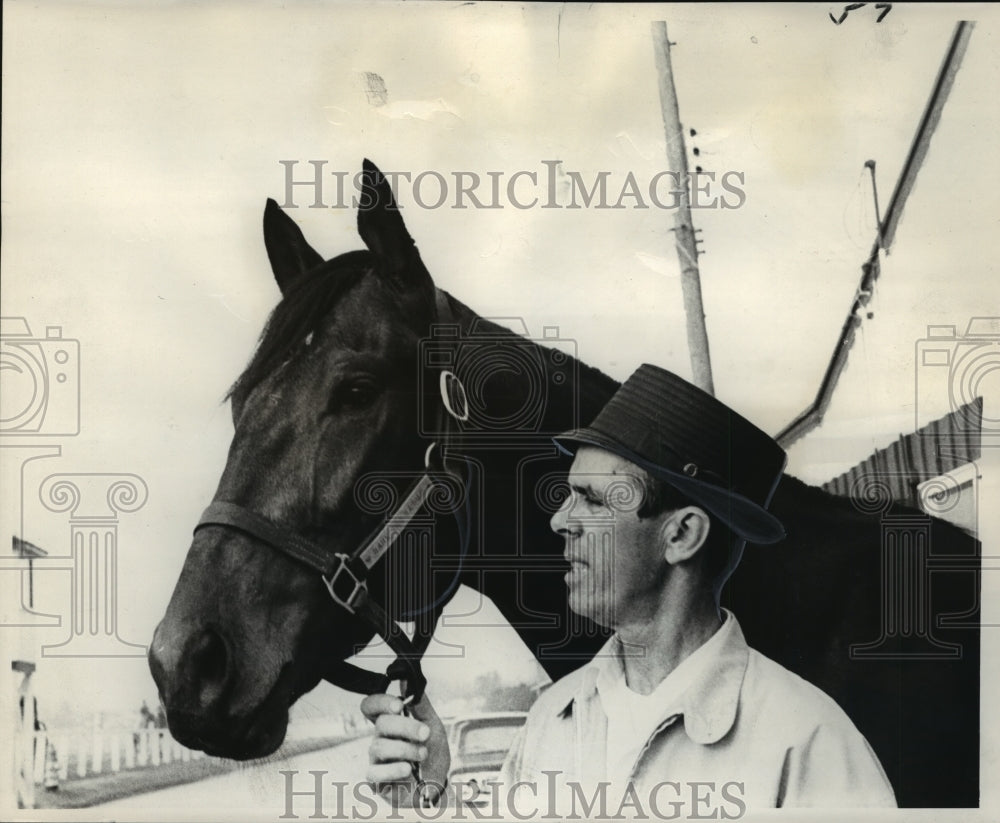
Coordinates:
<point>346,576</point>
<point>346,579</point>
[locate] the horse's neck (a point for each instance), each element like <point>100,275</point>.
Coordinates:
<point>467,318</point>
<point>591,390</point>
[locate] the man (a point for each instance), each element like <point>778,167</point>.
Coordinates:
<point>676,716</point>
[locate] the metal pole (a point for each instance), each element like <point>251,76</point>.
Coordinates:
<point>811,417</point>
<point>870,165</point>
<point>684,239</point>
<point>928,123</point>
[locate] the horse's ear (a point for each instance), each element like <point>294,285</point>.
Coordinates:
<point>381,227</point>
<point>287,249</point>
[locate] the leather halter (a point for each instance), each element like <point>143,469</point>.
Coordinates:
<point>346,576</point>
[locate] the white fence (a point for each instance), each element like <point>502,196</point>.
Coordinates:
<point>64,756</point>
<point>51,758</point>
<point>100,752</point>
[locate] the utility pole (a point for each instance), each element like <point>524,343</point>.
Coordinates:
<point>684,239</point>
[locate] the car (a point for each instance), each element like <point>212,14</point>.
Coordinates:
<point>479,744</point>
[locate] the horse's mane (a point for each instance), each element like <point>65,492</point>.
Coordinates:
<point>306,301</point>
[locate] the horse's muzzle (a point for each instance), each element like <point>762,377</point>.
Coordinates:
<point>195,673</point>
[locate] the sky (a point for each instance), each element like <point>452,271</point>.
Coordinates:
<point>140,142</point>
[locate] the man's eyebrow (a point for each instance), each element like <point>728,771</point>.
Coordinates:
<point>586,491</point>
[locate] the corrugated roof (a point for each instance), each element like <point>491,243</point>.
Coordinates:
<point>940,446</point>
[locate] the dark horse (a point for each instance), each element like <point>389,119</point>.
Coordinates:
<point>333,417</point>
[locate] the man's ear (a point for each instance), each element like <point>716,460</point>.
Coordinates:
<point>683,532</point>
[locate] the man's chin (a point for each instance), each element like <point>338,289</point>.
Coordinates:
<point>586,605</point>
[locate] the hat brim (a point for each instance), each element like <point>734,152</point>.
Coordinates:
<point>746,518</point>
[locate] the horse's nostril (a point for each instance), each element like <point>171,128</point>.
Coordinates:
<point>192,665</point>
<point>209,661</point>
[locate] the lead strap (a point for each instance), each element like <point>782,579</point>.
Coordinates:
<point>427,794</point>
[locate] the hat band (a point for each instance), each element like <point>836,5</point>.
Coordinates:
<point>682,465</point>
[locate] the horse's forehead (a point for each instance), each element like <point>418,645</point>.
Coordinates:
<point>368,318</point>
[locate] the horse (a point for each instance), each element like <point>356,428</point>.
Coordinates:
<point>364,369</point>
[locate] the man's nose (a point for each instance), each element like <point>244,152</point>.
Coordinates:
<point>560,521</point>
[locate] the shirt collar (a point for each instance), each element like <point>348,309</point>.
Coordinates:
<point>708,705</point>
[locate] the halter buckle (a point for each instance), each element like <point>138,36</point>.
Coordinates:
<point>337,584</point>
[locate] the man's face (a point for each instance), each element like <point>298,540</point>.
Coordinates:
<point>616,559</point>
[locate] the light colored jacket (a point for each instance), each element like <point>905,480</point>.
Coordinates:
<point>746,734</point>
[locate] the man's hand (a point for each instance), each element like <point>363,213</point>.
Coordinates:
<point>401,742</point>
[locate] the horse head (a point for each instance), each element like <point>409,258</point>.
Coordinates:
<point>329,396</point>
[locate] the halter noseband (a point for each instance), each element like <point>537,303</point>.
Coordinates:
<point>346,576</point>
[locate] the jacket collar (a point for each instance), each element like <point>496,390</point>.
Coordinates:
<point>708,706</point>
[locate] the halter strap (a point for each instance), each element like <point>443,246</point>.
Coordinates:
<point>275,535</point>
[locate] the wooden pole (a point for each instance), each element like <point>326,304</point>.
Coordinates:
<point>684,239</point>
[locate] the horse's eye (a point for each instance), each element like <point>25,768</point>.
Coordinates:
<point>360,394</point>
<point>353,395</point>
